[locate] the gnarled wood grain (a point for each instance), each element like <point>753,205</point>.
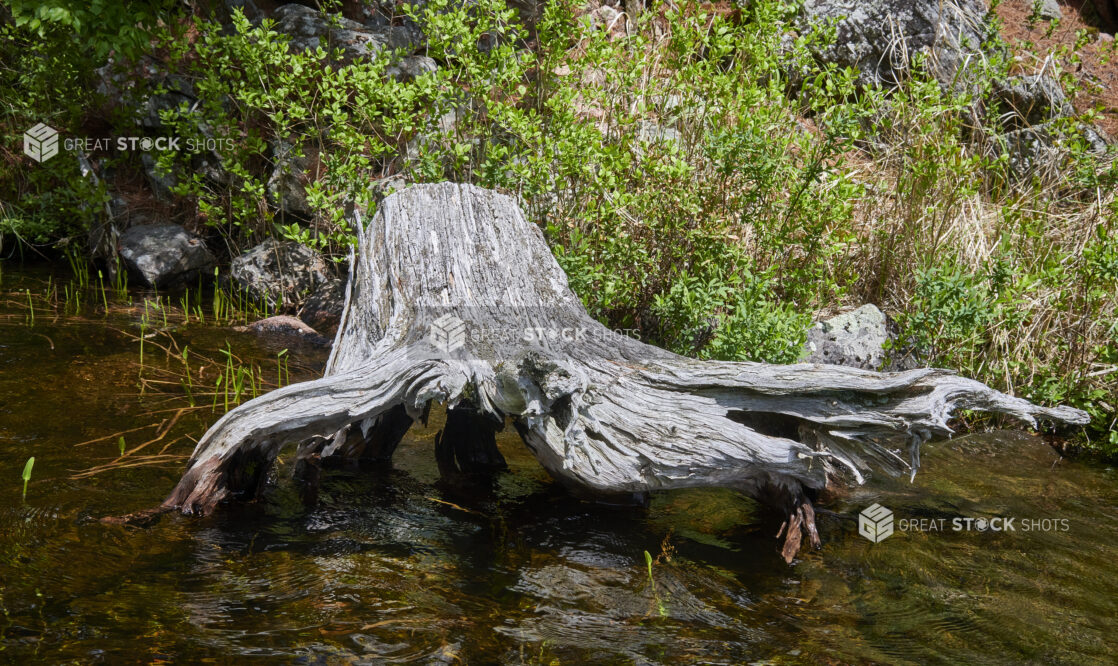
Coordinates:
<point>601,411</point>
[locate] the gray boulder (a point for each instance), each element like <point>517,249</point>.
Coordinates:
<point>160,183</point>
<point>1048,9</point>
<point>651,132</point>
<point>178,93</point>
<point>323,309</point>
<point>246,7</point>
<point>309,28</point>
<point>880,38</point>
<point>411,67</point>
<point>1042,150</point>
<point>279,273</point>
<point>855,339</point>
<point>286,187</point>
<point>164,255</point>
<point>1025,101</point>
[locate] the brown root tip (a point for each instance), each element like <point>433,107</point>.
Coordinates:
<point>199,491</point>
<point>145,518</point>
<point>803,518</point>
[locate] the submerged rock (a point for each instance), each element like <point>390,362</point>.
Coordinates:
<point>279,273</point>
<point>285,326</point>
<point>164,255</point>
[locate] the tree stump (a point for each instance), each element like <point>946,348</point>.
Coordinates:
<point>454,297</point>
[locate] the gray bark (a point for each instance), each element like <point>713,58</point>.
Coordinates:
<point>601,412</point>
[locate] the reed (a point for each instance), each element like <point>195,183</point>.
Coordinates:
<point>188,381</point>
<point>652,581</point>
<point>282,369</point>
<point>27,474</point>
<point>104,295</point>
<point>78,265</point>
<point>120,282</point>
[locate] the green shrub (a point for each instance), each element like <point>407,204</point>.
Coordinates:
<point>697,174</point>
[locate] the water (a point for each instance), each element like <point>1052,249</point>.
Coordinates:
<point>399,566</point>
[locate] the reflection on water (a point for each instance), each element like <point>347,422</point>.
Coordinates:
<point>395,565</point>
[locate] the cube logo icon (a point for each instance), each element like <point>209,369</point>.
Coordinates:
<point>447,333</point>
<point>875,523</point>
<point>40,143</point>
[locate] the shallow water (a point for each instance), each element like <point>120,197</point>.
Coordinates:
<point>398,566</point>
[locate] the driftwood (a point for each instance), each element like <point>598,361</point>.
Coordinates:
<point>455,298</point>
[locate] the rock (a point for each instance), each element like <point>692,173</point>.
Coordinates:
<point>286,188</point>
<point>1031,151</point>
<point>651,132</point>
<point>1041,150</point>
<point>323,310</point>
<point>1048,10</point>
<point>383,187</point>
<point>309,29</point>
<point>179,94</point>
<point>164,255</point>
<point>160,183</point>
<point>854,339</point>
<point>246,7</point>
<point>279,273</point>
<point>212,166</point>
<point>1096,141</point>
<point>1025,101</point>
<point>378,14</point>
<point>868,34</point>
<point>119,80</point>
<point>285,326</point>
<point>411,67</point>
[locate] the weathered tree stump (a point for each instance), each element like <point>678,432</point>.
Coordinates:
<point>454,297</point>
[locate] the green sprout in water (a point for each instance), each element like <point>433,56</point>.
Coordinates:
<point>652,582</point>
<point>104,296</point>
<point>120,442</point>
<point>188,383</point>
<point>282,368</point>
<point>27,474</point>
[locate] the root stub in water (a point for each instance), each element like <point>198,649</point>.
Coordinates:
<point>454,297</point>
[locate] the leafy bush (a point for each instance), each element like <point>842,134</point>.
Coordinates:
<point>699,176</point>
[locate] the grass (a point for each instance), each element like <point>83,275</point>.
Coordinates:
<point>652,583</point>
<point>177,380</point>
<point>698,174</point>
<point>27,467</point>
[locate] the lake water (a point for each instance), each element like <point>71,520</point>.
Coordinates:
<point>396,565</point>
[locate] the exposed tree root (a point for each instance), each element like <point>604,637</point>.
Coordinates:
<point>455,298</point>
